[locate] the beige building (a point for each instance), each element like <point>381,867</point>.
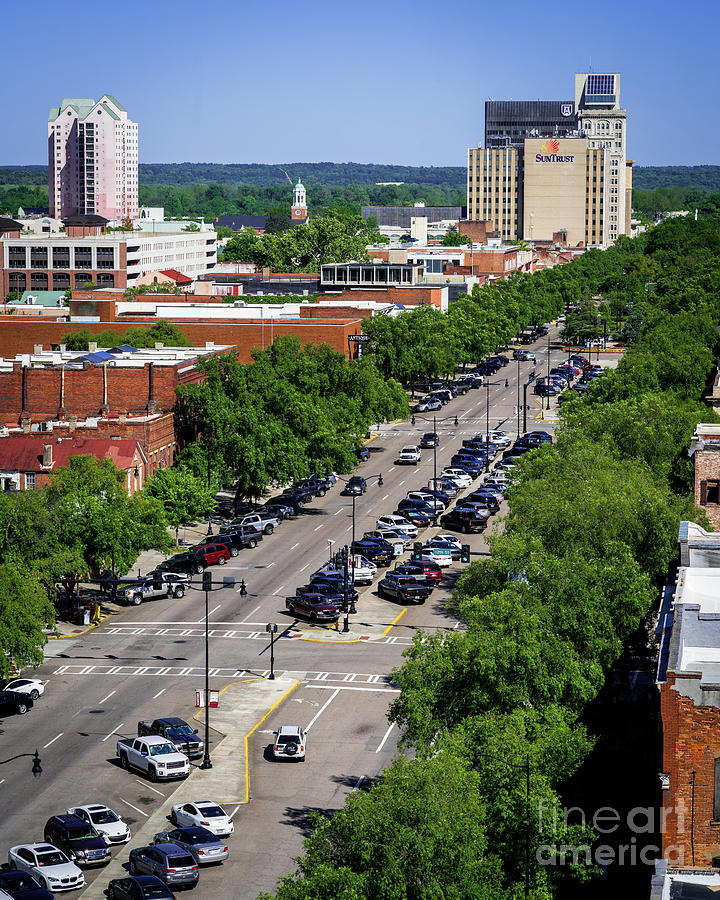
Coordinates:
<point>578,182</point>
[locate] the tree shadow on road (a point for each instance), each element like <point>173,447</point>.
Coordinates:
<point>300,817</point>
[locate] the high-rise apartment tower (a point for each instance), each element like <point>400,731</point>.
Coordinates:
<point>92,160</point>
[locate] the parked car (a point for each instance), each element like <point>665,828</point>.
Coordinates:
<point>524,355</point>
<point>387,534</point>
<point>290,743</point>
<point>178,731</point>
<point>458,475</point>
<point>332,589</point>
<point>189,563</point>
<point>168,862</point>
<point>235,540</point>
<point>154,756</point>
<point>362,453</point>
<point>22,886</point>
<point>151,587</point>
<point>313,606</point>
<point>206,814</point>
<point>49,865</point>
<point>25,687</point>
<point>429,404</point>
<point>433,502</point>
<point>80,841</point>
<point>104,820</point>
<point>213,553</point>
<point>356,486</point>
<point>467,521</point>
<point>545,390</point>
<point>445,542</point>
<point>12,702</point>
<point>426,570</point>
<point>437,554</point>
<point>470,464</point>
<point>419,505</point>
<point>139,887</point>
<point>279,509</point>
<point>393,521</point>
<point>402,588</point>
<point>378,552</point>
<point>204,846</point>
<point>421,520</point>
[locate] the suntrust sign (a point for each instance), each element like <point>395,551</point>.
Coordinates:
<point>549,154</point>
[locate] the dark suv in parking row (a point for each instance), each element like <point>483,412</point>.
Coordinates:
<point>79,840</point>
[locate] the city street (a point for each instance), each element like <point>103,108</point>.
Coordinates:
<point>148,661</point>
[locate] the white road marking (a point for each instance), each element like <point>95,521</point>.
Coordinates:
<point>387,735</point>
<point>159,692</point>
<point>378,690</point>
<point>2,781</point>
<point>55,738</point>
<point>116,728</point>
<point>270,565</point>
<point>233,812</point>
<point>304,567</point>
<point>318,528</point>
<point>349,528</point>
<point>107,697</point>
<point>200,621</point>
<point>338,512</point>
<point>144,784</point>
<point>323,708</point>
<point>384,498</point>
<point>295,545</point>
<point>403,481</point>
<point>251,614</point>
<point>128,803</point>
<point>278,590</point>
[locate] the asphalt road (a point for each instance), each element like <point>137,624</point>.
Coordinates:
<point>148,661</point>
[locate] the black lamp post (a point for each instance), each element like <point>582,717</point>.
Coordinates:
<point>434,421</point>
<point>272,631</point>
<point>518,397</point>
<point>36,767</point>
<point>379,477</point>
<point>207,586</point>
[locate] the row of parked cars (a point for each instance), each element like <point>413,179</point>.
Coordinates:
<point>578,373</point>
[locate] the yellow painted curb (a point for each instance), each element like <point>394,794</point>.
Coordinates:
<point>253,730</point>
<point>395,621</point>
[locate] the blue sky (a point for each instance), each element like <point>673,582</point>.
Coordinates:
<point>365,82</point>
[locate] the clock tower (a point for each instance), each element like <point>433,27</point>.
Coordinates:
<point>298,212</point>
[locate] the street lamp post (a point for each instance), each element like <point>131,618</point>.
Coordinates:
<point>379,477</point>
<point>272,631</point>
<point>435,421</point>
<point>36,767</point>
<point>207,587</point>
<point>518,397</point>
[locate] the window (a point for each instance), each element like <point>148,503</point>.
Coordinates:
<point>711,492</point>
<point>29,481</point>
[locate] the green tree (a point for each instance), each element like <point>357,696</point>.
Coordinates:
<point>25,609</point>
<point>96,518</point>
<point>184,496</point>
<point>453,238</point>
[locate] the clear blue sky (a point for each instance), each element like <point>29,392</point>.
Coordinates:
<point>365,82</point>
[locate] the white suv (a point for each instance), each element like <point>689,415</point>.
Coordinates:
<point>409,455</point>
<point>392,521</point>
<point>289,742</point>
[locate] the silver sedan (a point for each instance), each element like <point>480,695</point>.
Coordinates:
<point>201,843</point>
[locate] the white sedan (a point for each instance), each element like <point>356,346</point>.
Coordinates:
<point>458,475</point>
<point>204,813</point>
<point>450,539</point>
<point>49,865</point>
<point>31,687</point>
<point>108,823</point>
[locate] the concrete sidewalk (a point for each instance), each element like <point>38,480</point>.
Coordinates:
<point>244,706</point>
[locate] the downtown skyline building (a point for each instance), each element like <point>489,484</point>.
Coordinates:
<point>555,170</point>
<point>92,160</point>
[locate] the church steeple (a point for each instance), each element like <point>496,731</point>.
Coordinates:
<point>299,212</point>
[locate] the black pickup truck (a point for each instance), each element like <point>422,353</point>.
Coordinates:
<point>402,588</point>
<point>176,730</point>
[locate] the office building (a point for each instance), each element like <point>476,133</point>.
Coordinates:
<point>87,253</point>
<point>555,170</point>
<point>92,160</point>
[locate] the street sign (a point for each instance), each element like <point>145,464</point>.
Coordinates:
<point>200,699</point>
<point>358,338</point>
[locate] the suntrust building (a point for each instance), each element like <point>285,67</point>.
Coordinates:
<point>551,167</point>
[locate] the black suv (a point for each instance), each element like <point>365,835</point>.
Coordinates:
<point>235,540</point>
<point>80,841</point>
<point>356,485</point>
<point>429,440</point>
<point>190,563</point>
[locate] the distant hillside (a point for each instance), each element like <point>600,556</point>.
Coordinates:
<point>650,178</point>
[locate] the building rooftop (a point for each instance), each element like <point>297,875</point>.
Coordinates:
<point>40,298</point>
<point>9,225</point>
<point>122,356</point>
<point>25,454</point>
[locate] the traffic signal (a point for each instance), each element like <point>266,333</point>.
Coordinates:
<point>207,581</point>
<point>465,553</point>
<point>417,550</point>
<point>243,588</point>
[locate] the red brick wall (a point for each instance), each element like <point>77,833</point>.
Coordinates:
<point>21,335</point>
<point>707,468</point>
<point>478,232</point>
<point>408,295</point>
<point>334,312</point>
<point>691,741</point>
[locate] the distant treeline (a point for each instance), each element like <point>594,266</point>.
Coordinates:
<point>650,178</point>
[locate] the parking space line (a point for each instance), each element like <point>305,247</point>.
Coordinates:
<point>159,692</point>
<point>127,802</point>
<point>352,687</point>
<point>107,697</point>
<point>251,614</point>
<point>318,528</point>
<point>154,790</point>
<point>278,590</point>
<point>116,728</point>
<point>323,708</point>
<point>304,567</point>
<point>339,511</point>
<point>386,736</point>
<point>295,545</point>
<point>55,738</point>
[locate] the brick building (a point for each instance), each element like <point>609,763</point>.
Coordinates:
<point>705,452</point>
<point>27,461</point>
<point>688,678</point>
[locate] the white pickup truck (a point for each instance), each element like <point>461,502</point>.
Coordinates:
<point>157,757</point>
